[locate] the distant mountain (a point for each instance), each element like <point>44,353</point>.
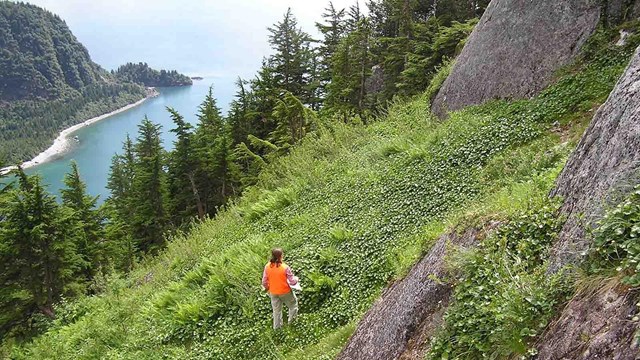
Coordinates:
<point>141,73</point>
<point>39,56</point>
<point>48,81</point>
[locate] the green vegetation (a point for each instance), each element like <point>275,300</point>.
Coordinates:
<point>142,74</point>
<point>333,165</point>
<point>27,127</point>
<point>40,57</point>
<point>394,186</point>
<point>615,245</point>
<point>503,297</point>
<point>46,250</point>
<point>48,82</point>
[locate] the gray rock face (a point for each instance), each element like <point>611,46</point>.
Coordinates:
<point>515,49</point>
<point>604,167</point>
<point>400,323</point>
<point>618,10</point>
<point>375,82</point>
<point>600,325</point>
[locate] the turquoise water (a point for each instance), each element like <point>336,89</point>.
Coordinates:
<point>100,141</point>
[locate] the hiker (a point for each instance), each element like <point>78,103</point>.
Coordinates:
<point>277,279</point>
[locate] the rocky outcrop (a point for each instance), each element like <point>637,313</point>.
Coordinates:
<point>375,82</point>
<point>515,49</point>
<point>400,323</point>
<point>600,325</point>
<point>619,10</point>
<point>604,166</point>
<point>518,45</point>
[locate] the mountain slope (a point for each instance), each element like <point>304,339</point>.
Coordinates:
<point>48,81</point>
<point>354,207</point>
<point>39,56</point>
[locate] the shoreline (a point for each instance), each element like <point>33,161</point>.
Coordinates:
<point>61,143</point>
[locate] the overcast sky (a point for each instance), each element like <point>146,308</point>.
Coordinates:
<point>207,37</point>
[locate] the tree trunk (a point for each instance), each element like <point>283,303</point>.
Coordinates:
<point>196,195</point>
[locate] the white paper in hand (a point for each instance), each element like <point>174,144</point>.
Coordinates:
<point>295,287</point>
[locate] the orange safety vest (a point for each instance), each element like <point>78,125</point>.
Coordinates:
<point>277,278</point>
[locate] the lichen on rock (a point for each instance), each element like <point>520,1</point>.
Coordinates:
<point>515,50</point>
<point>604,167</point>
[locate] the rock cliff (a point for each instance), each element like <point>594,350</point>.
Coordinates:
<point>515,49</point>
<point>596,325</point>
<point>604,166</point>
<point>603,169</point>
<point>409,311</point>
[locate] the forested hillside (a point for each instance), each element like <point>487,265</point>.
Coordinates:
<point>40,57</point>
<point>48,81</point>
<point>332,152</point>
<point>141,73</point>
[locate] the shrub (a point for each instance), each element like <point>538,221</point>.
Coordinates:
<point>616,242</point>
<point>503,297</point>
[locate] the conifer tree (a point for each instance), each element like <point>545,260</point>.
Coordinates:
<point>240,114</point>
<point>351,66</point>
<point>293,121</point>
<point>38,255</point>
<point>185,200</point>
<point>149,219</point>
<point>121,248</point>
<point>207,147</point>
<point>87,222</point>
<point>290,60</point>
<point>332,30</point>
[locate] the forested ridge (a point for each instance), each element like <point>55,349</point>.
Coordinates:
<point>48,81</point>
<point>330,151</point>
<point>141,73</point>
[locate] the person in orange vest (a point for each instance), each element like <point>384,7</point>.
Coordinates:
<point>277,279</point>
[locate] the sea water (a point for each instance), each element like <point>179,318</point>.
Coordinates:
<point>97,143</point>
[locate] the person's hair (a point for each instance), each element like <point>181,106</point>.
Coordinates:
<point>276,256</point>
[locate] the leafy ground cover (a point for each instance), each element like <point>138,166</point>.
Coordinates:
<point>354,206</point>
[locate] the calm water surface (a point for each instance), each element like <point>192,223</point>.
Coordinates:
<point>100,141</point>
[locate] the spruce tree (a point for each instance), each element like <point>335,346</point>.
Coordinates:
<point>241,116</point>
<point>87,222</point>
<point>351,66</point>
<point>37,251</point>
<point>332,30</point>
<point>184,196</point>
<point>293,61</point>
<point>293,119</point>
<point>149,193</point>
<point>216,170</point>
<point>121,248</point>
<point>287,41</point>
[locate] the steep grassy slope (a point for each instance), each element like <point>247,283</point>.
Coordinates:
<point>354,207</point>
